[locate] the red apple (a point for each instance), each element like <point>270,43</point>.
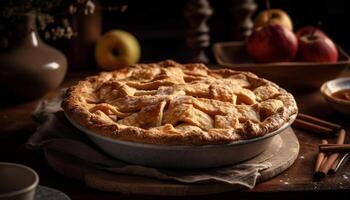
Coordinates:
<point>272,43</point>
<point>317,48</point>
<point>306,30</point>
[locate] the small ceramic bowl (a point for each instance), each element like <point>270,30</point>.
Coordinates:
<point>17,182</point>
<point>335,85</point>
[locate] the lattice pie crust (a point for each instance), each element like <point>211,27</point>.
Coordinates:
<point>168,103</point>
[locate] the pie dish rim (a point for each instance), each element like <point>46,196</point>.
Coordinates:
<point>181,147</point>
<point>184,157</point>
<point>72,107</point>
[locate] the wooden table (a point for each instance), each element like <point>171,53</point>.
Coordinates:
<point>16,125</point>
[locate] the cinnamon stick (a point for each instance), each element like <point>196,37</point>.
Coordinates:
<point>320,157</point>
<point>318,175</point>
<point>334,166</point>
<point>318,121</point>
<point>334,156</point>
<point>338,148</point>
<point>313,127</point>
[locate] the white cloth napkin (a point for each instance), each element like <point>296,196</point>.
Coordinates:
<point>56,133</point>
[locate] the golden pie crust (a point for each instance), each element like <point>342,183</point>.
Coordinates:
<point>168,103</point>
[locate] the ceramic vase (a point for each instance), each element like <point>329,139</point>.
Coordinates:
<point>30,68</point>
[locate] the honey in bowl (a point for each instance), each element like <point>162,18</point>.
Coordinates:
<point>342,94</point>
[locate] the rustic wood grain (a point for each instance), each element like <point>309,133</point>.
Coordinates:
<point>16,125</point>
<point>284,148</point>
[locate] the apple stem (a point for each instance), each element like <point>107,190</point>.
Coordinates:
<point>268,6</point>
<point>313,31</point>
<point>319,24</point>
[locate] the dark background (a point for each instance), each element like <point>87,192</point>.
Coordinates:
<point>161,28</point>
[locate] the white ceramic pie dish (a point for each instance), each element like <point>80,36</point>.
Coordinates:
<point>182,157</point>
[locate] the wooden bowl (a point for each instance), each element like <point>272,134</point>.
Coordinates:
<point>290,75</point>
<point>330,87</point>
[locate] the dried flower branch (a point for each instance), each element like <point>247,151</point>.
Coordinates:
<point>52,16</point>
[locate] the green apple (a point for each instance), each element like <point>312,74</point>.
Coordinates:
<point>117,49</point>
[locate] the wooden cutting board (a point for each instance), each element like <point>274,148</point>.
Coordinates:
<point>105,181</point>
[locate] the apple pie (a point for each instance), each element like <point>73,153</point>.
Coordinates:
<point>168,103</point>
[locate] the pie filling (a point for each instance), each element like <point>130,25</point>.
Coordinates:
<point>172,104</point>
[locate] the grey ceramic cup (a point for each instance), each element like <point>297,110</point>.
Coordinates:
<point>17,182</point>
